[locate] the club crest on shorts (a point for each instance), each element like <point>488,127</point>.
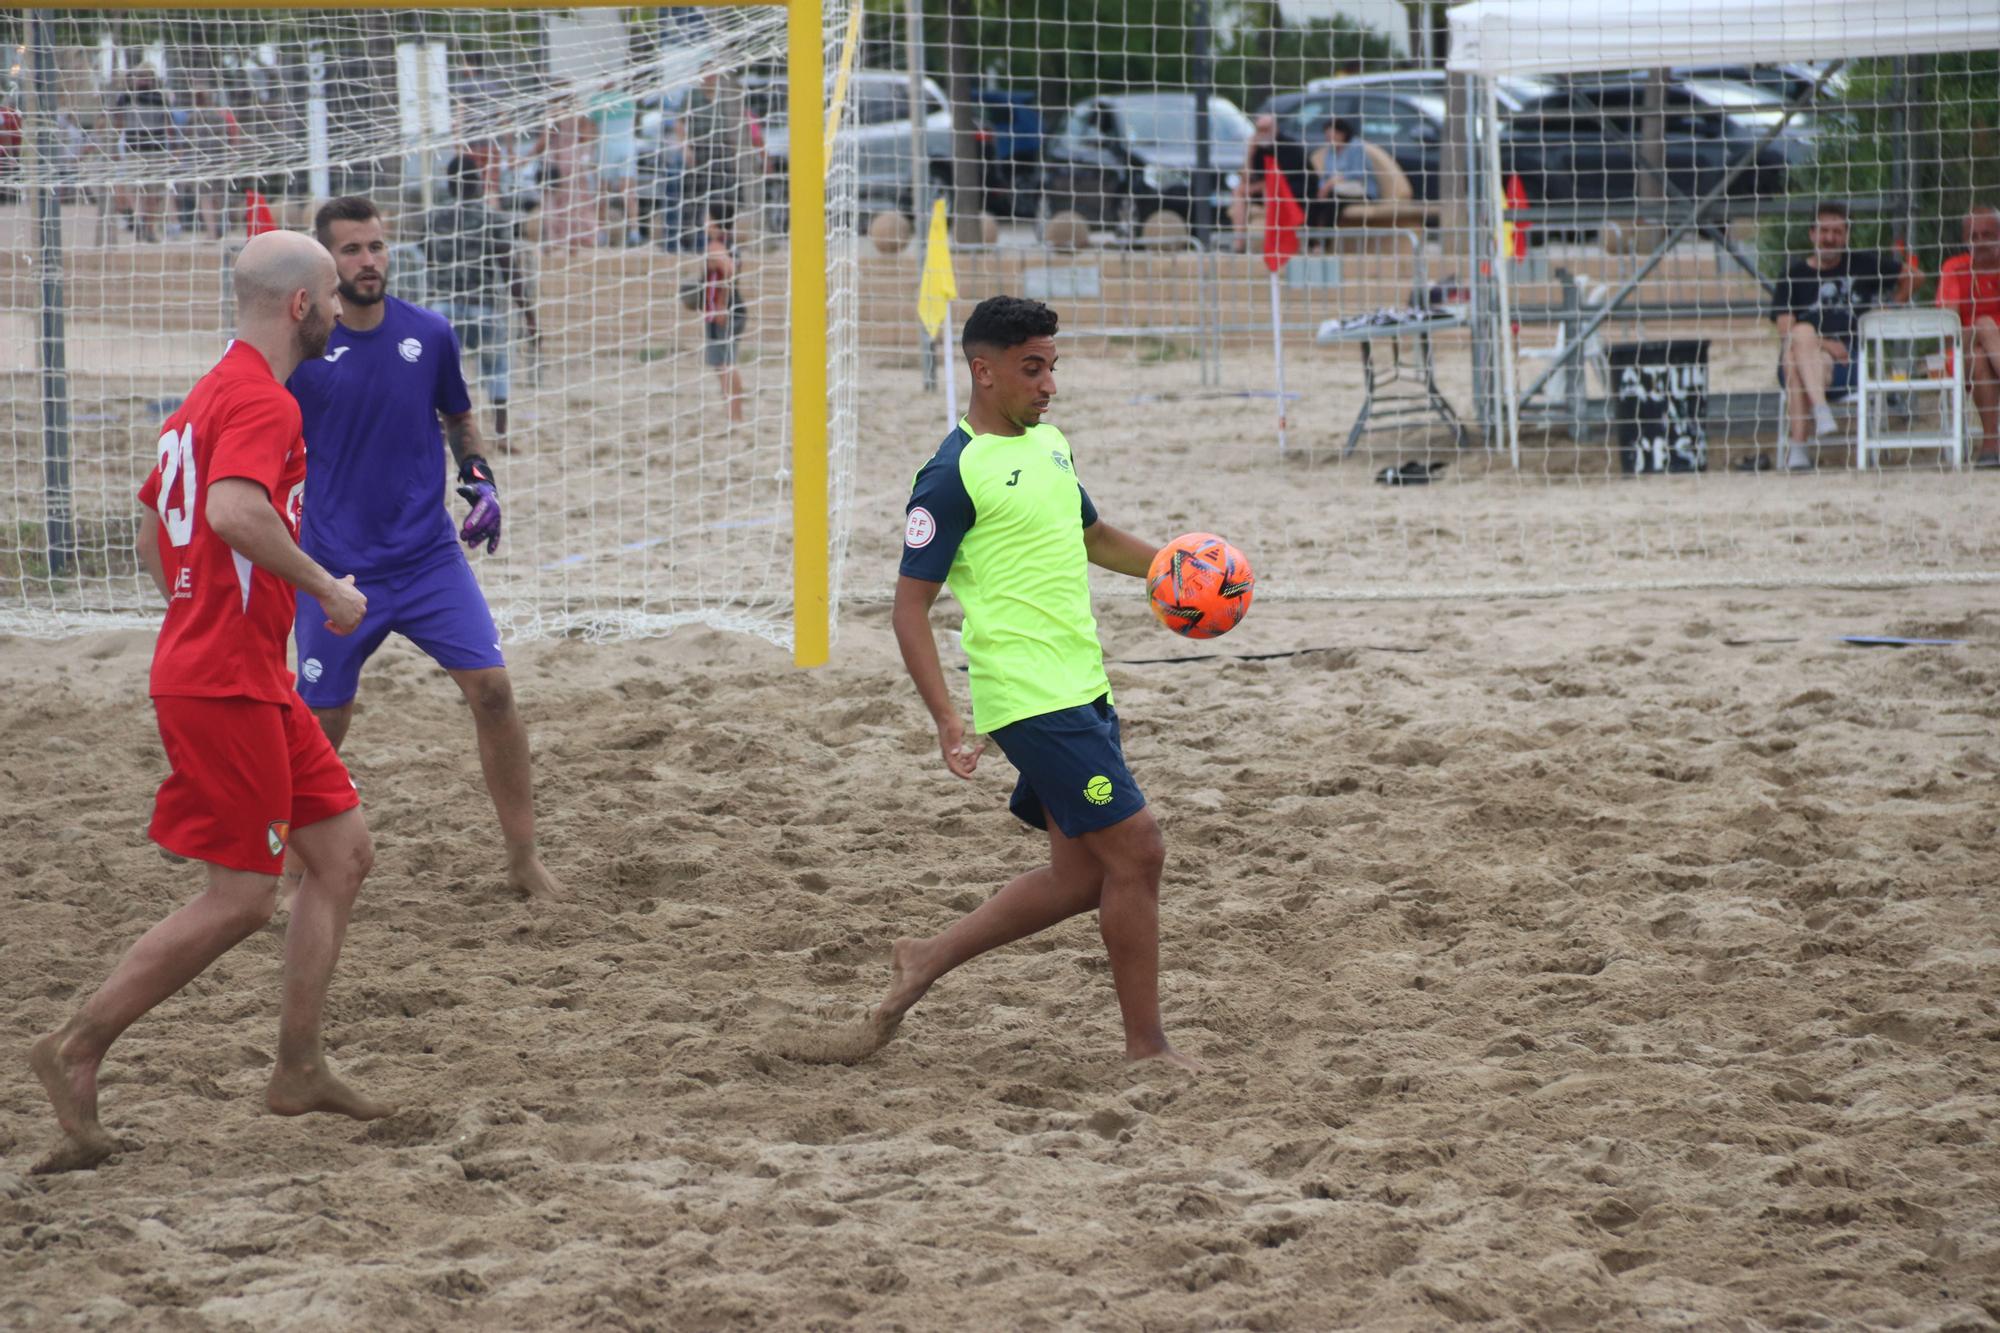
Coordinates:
<point>1098,790</point>
<point>276,834</point>
<point>311,669</point>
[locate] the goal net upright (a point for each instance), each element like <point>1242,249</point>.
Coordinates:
<point>609,143</point>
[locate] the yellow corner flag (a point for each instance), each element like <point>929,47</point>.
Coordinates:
<point>940,285</point>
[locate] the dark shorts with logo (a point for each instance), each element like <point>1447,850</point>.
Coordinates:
<point>1072,769</point>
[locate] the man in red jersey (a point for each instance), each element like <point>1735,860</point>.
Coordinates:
<point>1970,284</point>
<point>252,770</point>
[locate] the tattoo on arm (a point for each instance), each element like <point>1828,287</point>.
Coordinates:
<point>461,433</point>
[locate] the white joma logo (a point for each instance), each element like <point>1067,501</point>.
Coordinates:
<point>335,354</point>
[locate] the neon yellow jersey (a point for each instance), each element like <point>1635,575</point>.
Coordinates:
<point>1000,519</point>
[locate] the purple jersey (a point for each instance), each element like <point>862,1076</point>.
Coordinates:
<point>375,458</point>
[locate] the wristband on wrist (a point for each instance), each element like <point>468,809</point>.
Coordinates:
<point>474,470</point>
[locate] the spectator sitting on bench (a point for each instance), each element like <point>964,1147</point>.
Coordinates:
<point>1268,146</point>
<point>1818,308</point>
<point>1970,284</point>
<point>1343,172</point>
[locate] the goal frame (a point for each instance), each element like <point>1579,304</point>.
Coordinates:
<point>805,75</point>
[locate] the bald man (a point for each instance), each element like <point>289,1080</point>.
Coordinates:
<point>253,775</point>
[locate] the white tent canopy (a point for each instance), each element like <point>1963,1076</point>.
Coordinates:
<point>1492,37</point>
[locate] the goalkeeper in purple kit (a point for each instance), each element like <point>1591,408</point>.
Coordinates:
<point>379,406</point>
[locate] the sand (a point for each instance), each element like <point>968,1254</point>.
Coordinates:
<point>1583,968</point>
<point>1618,959</point>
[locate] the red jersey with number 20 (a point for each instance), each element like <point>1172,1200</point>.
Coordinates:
<point>227,620</point>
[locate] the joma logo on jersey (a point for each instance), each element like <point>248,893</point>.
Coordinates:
<point>335,354</point>
<point>1061,459</point>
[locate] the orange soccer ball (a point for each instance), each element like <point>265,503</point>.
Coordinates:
<point>1199,585</point>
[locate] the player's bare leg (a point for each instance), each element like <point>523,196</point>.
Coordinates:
<point>335,722</point>
<point>1078,878</point>
<point>1128,917</point>
<point>505,760</point>
<point>1983,382</point>
<point>1028,904</point>
<point>235,905</point>
<point>337,855</point>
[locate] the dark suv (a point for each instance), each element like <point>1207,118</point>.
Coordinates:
<point>1582,143</point>
<point>1122,157</point>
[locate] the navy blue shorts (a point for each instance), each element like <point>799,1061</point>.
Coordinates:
<point>1072,769</point>
<point>1841,383</point>
<point>437,606</point>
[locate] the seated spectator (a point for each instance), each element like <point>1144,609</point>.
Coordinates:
<point>1268,145</point>
<point>1818,308</point>
<point>1970,284</point>
<point>1344,173</point>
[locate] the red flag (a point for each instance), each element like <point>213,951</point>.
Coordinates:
<point>1282,218</point>
<point>257,217</point>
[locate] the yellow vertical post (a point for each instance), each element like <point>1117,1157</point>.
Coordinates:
<point>806,77</point>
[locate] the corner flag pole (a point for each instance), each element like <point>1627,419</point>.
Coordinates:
<point>1282,219</point>
<point>1278,357</point>
<point>934,294</point>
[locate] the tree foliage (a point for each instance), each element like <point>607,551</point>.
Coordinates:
<point>1924,140</point>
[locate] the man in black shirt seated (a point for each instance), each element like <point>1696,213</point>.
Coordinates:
<point>1818,307</point>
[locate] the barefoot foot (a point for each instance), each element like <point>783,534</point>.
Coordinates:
<point>1165,1054</point>
<point>907,984</point>
<point>71,1086</point>
<point>303,1091</point>
<point>531,879</point>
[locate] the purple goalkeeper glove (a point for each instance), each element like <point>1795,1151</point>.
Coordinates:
<point>475,476</point>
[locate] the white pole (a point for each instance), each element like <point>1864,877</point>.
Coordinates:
<point>1503,275</point>
<point>319,174</point>
<point>948,367</point>
<point>1278,358</point>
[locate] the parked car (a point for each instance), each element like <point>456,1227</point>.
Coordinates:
<point>1712,107</point>
<point>1010,151</point>
<point>1790,82</point>
<point>1122,157</point>
<point>879,134</point>
<point>1584,144</point>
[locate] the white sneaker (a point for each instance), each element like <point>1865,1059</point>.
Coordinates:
<point>1824,423</point>
<point>1798,460</point>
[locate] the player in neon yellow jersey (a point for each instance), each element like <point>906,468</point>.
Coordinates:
<point>999,514</point>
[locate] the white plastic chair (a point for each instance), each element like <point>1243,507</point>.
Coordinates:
<point>1892,341</point>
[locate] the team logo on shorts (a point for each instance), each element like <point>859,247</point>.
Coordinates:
<point>1098,790</point>
<point>410,348</point>
<point>310,669</point>
<point>920,529</point>
<point>275,835</point>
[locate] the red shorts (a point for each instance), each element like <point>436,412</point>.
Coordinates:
<point>246,773</point>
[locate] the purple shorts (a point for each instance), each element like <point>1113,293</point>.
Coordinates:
<point>437,606</point>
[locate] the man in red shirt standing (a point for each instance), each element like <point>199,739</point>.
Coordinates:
<point>252,770</point>
<point>1970,284</point>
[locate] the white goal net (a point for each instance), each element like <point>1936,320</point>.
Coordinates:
<point>646,462</point>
